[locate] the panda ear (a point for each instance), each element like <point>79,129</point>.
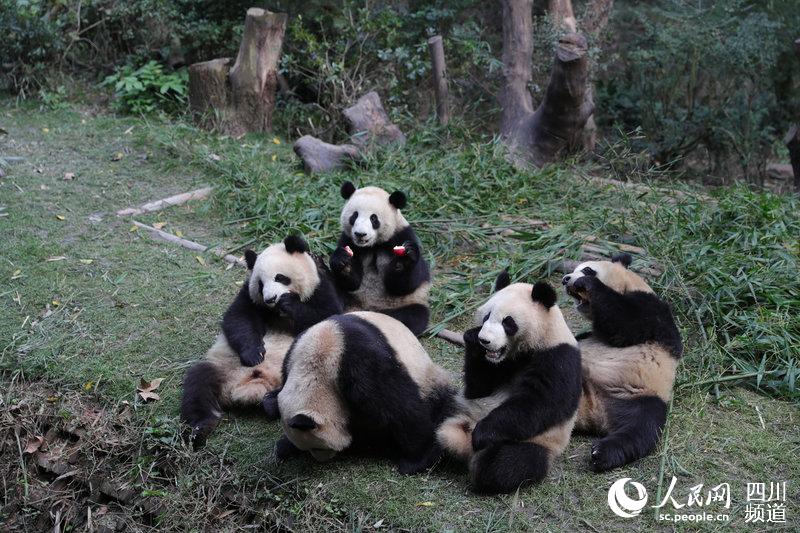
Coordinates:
<point>503,280</point>
<point>302,422</point>
<point>250,258</point>
<point>347,189</point>
<point>398,199</point>
<point>295,244</point>
<point>622,257</point>
<point>543,293</point>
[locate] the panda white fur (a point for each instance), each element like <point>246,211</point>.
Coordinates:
<point>629,360</point>
<point>522,383</point>
<point>374,278</point>
<point>363,380</point>
<point>286,291</point>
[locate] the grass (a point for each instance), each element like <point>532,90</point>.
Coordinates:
<point>144,309</point>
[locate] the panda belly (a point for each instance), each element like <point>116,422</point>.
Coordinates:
<point>621,374</point>
<point>371,295</point>
<point>243,385</point>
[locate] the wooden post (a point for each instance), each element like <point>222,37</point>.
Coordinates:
<point>439,70</point>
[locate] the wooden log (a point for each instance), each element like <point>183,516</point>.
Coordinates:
<point>369,124</point>
<point>158,205</point>
<point>254,75</point>
<point>190,245</point>
<point>319,156</point>
<point>439,70</point>
<point>452,337</point>
<point>209,92</point>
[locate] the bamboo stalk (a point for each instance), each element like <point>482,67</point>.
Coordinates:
<point>185,243</point>
<point>158,205</point>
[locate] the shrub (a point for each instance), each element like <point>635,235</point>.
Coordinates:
<point>148,88</point>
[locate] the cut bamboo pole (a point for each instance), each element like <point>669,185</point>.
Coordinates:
<point>190,245</point>
<point>452,337</point>
<point>439,70</point>
<point>158,205</point>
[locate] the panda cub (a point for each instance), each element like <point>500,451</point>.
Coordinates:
<point>363,380</point>
<point>522,382</point>
<point>286,291</point>
<point>378,263</point>
<point>629,360</point>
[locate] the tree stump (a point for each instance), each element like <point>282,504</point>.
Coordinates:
<point>439,71</point>
<point>319,156</point>
<point>370,124</point>
<point>538,137</point>
<point>240,99</point>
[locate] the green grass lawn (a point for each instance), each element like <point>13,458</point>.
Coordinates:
<point>88,307</point>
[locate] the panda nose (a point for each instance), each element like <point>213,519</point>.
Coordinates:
<point>359,235</point>
<point>565,279</point>
<point>483,341</point>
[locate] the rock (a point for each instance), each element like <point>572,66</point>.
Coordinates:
<point>319,156</point>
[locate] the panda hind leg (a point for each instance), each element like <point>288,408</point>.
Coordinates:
<point>200,403</point>
<point>420,461</point>
<point>636,426</point>
<point>270,405</point>
<point>502,468</point>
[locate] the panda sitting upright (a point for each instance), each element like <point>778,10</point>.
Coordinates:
<point>286,291</point>
<point>629,360</point>
<point>362,379</point>
<point>522,383</point>
<point>378,263</point>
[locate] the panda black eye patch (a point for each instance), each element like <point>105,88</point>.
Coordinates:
<point>375,222</point>
<point>353,217</point>
<point>589,271</point>
<point>280,278</point>
<point>486,317</point>
<point>260,287</point>
<point>510,326</point>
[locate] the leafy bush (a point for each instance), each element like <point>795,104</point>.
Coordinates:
<point>148,88</point>
<point>699,78</point>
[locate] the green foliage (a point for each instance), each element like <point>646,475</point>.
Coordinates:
<point>699,78</point>
<point>148,88</point>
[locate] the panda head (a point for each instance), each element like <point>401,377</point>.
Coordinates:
<point>370,215</point>
<point>313,414</point>
<point>613,274</point>
<point>520,317</point>
<point>281,268</point>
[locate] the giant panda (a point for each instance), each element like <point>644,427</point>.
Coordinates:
<point>378,263</point>
<point>363,380</point>
<point>522,383</point>
<point>629,360</point>
<point>286,291</point>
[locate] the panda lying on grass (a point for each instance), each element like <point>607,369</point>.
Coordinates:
<point>286,291</point>
<point>629,360</point>
<point>522,382</point>
<point>378,263</point>
<point>363,380</point>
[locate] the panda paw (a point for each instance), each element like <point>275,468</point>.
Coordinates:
<point>412,252</point>
<point>287,304</point>
<point>341,260</point>
<point>483,435</point>
<point>270,405</point>
<point>252,356</point>
<point>284,449</point>
<point>586,284</point>
<point>606,455</point>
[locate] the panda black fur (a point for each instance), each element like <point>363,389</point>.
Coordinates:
<point>522,384</point>
<point>374,278</point>
<point>363,380</point>
<point>286,291</point>
<point>629,360</point>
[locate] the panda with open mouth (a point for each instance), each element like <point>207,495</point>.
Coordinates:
<point>286,291</point>
<point>522,382</point>
<point>629,360</point>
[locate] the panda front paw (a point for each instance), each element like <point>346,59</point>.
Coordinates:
<point>287,304</point>
<point>285,449</point>
<point>471,341</point>
<point>252,356</point>
<point>607,454</point>
<point>270,405</point>
<point>585,285</point>
<point>405,256</point>
<point>341,260</point>
<point>483,435</point>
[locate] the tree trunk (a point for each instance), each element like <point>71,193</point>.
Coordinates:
<point>240,99</point>
<point>562,14</point>
<point>555,127</point>
<point>439,79</point>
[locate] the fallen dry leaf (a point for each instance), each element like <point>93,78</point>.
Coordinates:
<point>17,274</point>
<point>159,225</point>
<point>117,156</point>
<point>61,217</point>
<point>146,388</point>
<point>200,260</point>
<point>86,261</point>
<point>425,504</point>
<point>178,233</point>
<point>69,176</point>
<point>214,157</point>
<point>56,303</point>
<point>128,131</point>
<point>134,228</point>
<point>55,258</point>
<point>275,140</point>
<point>45,130</point>
<point>34,444</point>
